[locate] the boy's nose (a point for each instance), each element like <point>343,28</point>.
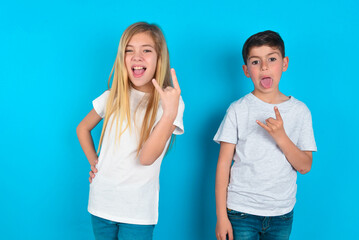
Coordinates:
<point>264,66</point>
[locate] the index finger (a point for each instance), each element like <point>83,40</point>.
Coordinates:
<point>158,88</point>
<point>277,114</point>
<point>174,79</point>
<point>263,125</point>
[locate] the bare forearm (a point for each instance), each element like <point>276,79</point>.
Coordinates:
<point>87,144</point>
<point>222,179</point>
<point>157,140</point>
<point>83,131</point>
<point>300,160</point>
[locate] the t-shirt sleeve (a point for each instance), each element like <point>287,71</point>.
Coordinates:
<point>179,118</point>
<point>99,104</point>
<point>228,131</point>
<point>306,141</point>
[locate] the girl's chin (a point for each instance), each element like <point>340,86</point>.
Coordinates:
<point>147,87</point>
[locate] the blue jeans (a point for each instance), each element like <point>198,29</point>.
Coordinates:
<point>108,230</point>
<point>251,227</point>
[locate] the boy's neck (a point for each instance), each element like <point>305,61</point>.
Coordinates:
<point>275,97</point>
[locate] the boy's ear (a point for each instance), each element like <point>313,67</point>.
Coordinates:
<point>285,63</point>
<point>245,70</point>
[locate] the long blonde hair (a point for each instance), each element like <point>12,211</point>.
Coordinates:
<point>118,103</point>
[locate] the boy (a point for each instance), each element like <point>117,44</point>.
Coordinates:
<point>269,137</point>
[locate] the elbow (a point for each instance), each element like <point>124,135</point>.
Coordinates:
<point>145,161</point>
<point>78,129</point>
<point>306,166</point>
<point>148,156</point>
<point>305,170</point>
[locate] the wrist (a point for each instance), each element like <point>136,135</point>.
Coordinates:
<point>222,219</point>
<point>93,161</point>
<point>169,116</point>
<point>222,215</point>
<point>282,140</point>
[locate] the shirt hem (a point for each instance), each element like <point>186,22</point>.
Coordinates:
<point>121,219</point>
<point>219,140</point>
<point>265,213</point>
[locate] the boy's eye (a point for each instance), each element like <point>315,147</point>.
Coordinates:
<point>255,62</point>
<point>272,59</point>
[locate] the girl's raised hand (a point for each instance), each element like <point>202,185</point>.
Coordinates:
<point>169,96</point>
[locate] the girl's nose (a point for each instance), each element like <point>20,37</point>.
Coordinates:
<point>137,56</point>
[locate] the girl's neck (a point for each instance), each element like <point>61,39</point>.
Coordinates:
<point>144,89</point>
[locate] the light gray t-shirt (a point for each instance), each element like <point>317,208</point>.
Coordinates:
<point>262,181</point>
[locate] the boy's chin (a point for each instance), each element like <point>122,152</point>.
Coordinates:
<point>271,89</point>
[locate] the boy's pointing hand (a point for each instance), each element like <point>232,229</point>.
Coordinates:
<point>274,126</point>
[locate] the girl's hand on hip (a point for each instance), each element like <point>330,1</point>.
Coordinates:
<point>169,96</point>
<point>93,171</point>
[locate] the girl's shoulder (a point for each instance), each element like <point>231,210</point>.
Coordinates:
<point>99,104</point>
<point>103,96</point>
<point>106,93</point>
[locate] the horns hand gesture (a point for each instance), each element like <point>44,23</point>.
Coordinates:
<point>169,96</point>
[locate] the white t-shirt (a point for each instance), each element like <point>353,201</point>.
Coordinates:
<point>123,190</point>
<point>262,181</point>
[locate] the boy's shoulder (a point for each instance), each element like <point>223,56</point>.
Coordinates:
<point>241,103</point>
<point>299,105</point>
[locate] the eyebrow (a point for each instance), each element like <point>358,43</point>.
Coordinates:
<point>145,45</point>
<point>266,55</point>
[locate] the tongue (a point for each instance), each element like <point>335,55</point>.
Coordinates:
<point>266,82</point>
<point>138,71</point>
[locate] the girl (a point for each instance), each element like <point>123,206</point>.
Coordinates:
<point>141,111</point>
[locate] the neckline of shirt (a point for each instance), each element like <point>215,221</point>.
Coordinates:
<point>137,92</point>
<point>283,106</point>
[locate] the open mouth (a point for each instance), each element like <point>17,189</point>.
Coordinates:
<point>138,71</point>
<point>267,82</point>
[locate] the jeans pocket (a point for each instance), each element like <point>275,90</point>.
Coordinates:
<point>233,214</point>
<point>287,216</point>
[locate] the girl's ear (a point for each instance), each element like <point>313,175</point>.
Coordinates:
<point>245,70</point>
<point>285,63</point>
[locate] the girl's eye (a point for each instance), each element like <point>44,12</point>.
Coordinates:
<point>147,50</point>
<point>128,50</point>
<point>272,59</point>
<point>255,62</point>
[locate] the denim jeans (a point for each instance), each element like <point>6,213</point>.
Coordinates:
<point>251,227</point>
<point>108,230</point>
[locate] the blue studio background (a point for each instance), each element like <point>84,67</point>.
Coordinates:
<point>56,56</point>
